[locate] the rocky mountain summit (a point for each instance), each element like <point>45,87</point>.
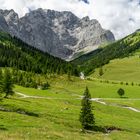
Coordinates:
<point>61,34</point>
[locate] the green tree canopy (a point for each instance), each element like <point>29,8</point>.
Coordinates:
<point>1,80</point>
<point>7,86</point>
<point>121,92</point>
<point>86,116</point>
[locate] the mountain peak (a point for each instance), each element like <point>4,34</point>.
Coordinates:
<point>61,34</point>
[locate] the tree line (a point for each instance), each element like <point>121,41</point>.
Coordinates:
<point>17,54</point>
<point>9,77</point>
<point>119,49</point>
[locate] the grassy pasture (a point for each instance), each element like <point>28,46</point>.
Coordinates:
<point>58,112</point>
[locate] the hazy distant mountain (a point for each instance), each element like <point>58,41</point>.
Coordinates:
<point>61,34</point>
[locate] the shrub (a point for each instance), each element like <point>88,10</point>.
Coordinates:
<point>121,92</point>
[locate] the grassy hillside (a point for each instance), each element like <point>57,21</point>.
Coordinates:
<point>119,49</point>
<point>126,69</point>
<point>56,115</point>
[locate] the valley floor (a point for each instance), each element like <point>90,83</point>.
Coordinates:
<point>53,114</point>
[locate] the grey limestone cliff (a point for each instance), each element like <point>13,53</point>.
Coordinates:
<point>61,34</point>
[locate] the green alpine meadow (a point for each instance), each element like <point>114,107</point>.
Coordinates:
<point>65,76</point>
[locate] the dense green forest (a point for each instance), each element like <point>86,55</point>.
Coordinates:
<point>102,56</point>
<point>17,54</point>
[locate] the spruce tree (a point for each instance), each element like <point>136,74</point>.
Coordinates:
<point>8,85</point>
<point>69,76</point>
<point>101,71</point>
<point>86,116</point>
<point>1,80</point>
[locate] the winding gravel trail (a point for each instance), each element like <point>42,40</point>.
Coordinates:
<point>28,96</point>
<point>122,106</point>
<point>98,100</point>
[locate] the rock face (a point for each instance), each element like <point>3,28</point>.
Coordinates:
<point>3,24</point>
<point>61,34</point>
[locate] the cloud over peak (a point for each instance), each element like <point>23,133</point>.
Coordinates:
<point>122,17</point>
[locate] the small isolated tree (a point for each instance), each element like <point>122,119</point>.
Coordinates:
<point>8,85</point>
<point>101,71</point>
<point>45,86</point>
<point>86,116</point>
<point>121,92</point>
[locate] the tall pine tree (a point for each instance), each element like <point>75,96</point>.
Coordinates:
<point>86,116</point>
<point>1,80</point>
<point>8,85</point>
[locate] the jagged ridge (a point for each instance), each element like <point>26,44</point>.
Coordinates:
<point>61,34</point>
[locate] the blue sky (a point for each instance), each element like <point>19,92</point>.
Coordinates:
<point>122,17</point>
<point>86,1</point>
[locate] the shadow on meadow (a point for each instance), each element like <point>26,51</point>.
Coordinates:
<point>2,128</point>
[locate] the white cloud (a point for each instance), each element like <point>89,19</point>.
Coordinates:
<point>122,17</point>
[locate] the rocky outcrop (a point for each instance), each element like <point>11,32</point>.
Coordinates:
<point>61,34</point>
<point>12,21</point>
<point>3,24</point>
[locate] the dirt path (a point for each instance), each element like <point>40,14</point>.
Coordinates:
<point>98,100</point>
<point>28,96</point>
<point>122,106</point>
<point>41,97</point>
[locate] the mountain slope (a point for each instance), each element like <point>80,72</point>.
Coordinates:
<point>61,34</point>
<point>102,56</point>
<point>126,69</point>
<point>15,53</point>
